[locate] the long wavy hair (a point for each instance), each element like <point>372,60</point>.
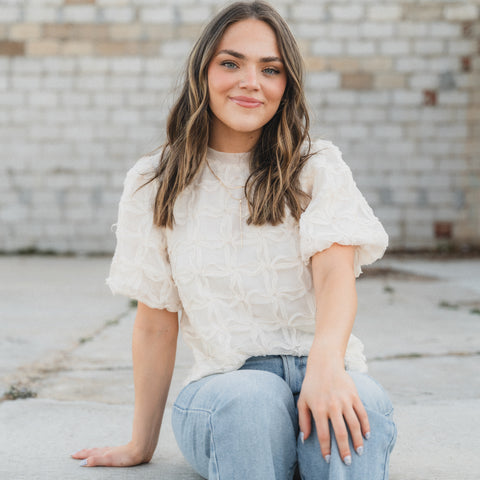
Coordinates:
<point>282,149</point>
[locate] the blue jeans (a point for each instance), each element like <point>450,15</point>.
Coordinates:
<point>243,425</point>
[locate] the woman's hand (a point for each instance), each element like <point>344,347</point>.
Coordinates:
<point>330,395</point>
<point>124,456</point>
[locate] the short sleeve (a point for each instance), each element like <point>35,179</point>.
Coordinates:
<point>140,267</point>
<point>337,212</point>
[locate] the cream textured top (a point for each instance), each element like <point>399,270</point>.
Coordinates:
<point>243,290</point>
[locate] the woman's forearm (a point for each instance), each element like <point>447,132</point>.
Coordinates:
<point>336,302</point>
<point>154,348</point>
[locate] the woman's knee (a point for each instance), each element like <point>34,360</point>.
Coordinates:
<point>372,394</point>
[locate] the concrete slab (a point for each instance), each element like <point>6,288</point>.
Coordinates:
<point>419,329</point>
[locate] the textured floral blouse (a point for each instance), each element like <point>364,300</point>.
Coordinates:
<point>242,290</point>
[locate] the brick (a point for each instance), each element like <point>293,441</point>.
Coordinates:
<point>24,82</point>
<point>195,14</point>
<point>467,11</point>
<point>42,48</point>
<point>347,12</point>
<point>327,47</point>
<point>405,97</point>
<point>310,30</point>
<point>384,12</point>
<point>412,29</point>
<point>76,48</point>
<point>390,81</point>
<point>461,47</point>
<point>323,80</point>
<point>376,64</point>
<point>374,98</point>
<point>354,131</point>
<point>12,49</point>
<point>58,30</point>
<point>40,14</point>
<point>157,15</point>
<point>428,47</point>
<point>453,98</point>
<point>91,32</point>
<point>316,64</point>
<point>361,48</point>
<point>445,30</point>
<point>10,14</point>
<point>342,64</point>
<point>25,31</point>
<point>423,81</point>
<point>369,114</point>
<point>94,65</point>
<point>117,14</point>
<point>55,82</point>
<point>308,12</point>
<point>127,65</point>
<point>107,99</point>
<point>79,13</point>
<point>127,32</point>
<point>441,64</point>
<point>421,11</point>
<point>395,47</point>
<point>176,48</point>
<point>387,131</point>
<point>377,30</point>
<point>357,81</point>
<point>342,30</point>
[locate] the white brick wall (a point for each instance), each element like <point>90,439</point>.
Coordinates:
<point>394,84</point>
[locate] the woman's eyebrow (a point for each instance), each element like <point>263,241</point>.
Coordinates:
<point>241,56</point>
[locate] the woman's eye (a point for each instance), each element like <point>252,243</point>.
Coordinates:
<point>271,71</point>
<point>229,65</point>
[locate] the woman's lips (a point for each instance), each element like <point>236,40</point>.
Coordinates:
<point>247,102</point>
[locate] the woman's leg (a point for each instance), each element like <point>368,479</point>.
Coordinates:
<point>238,425</point>
<point>373,464</point>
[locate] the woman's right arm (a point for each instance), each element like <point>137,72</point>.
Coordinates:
<point>154,347</point>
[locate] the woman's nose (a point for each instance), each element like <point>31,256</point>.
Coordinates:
<point>249,79</point>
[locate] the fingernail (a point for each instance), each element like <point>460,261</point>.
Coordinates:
<point>327,458</point>
<point>83,463</point>
<point>347,460</point>
<point>367,435</point>
<point>302,437</point>
<point>359,450</point>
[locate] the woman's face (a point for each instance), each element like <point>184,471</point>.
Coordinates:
<point>246,82</point>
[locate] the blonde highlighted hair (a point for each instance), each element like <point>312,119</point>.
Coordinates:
<point>284,144</point>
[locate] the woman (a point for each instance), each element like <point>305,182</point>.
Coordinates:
<point>257,237</point>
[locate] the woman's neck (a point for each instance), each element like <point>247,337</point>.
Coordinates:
<point>231,141</point>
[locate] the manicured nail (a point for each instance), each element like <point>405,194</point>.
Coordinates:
<point>327,458</point>
<point>367,435</point>
<point>302,437</point>
<point>83,463</point>
<point>347,460</point>
<point>359,450</point>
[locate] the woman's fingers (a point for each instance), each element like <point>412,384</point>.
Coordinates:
<point>362,417</point>
<point>87,452</point>
<point>341,436</point>
<point>323,434</point>
<point>353,423</point>
<point>304,419</point>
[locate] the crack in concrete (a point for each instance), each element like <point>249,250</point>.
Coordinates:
<point>30,375</point>
<point>412,355</point>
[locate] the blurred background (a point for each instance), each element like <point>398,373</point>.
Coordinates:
<point>85,87</point>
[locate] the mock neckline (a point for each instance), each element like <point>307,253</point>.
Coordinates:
<point>227,157</point>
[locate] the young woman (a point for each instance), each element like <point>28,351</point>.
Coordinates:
<point>256,236</point>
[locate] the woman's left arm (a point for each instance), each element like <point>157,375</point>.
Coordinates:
<point>328,393</point>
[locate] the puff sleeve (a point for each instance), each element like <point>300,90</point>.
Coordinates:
<point>337,212</point>
<point>140,267</point>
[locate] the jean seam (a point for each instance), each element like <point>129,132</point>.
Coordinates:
<point>213,455</point>
<point>198,410</point>
<point>388,451</point>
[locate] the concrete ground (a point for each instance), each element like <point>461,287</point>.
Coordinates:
<point>66,340</point>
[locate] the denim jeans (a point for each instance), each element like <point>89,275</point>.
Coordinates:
<point>243,425</point>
